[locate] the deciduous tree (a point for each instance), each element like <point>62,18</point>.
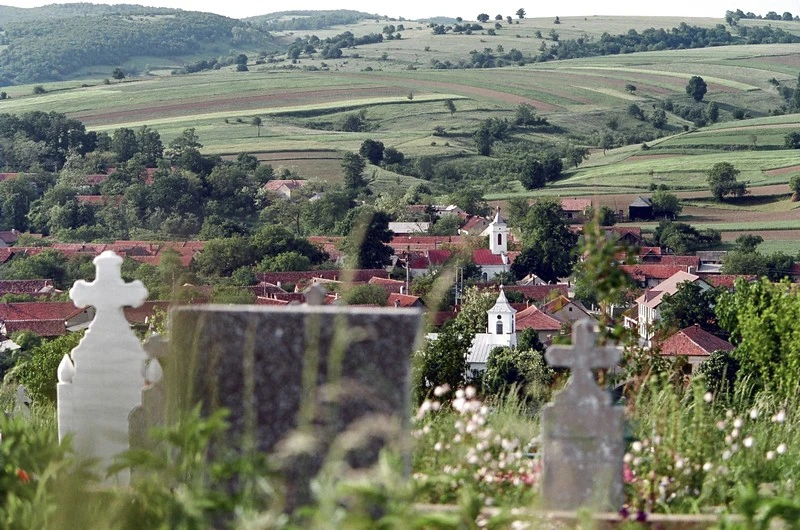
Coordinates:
<point>697,88</point>
<point>722,181</point>
<point>548,243</point>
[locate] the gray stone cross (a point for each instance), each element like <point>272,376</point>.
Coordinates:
<point>582,433</point>
<point>581,358</point>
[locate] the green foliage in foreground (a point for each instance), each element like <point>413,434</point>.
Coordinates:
<point>762,318</point>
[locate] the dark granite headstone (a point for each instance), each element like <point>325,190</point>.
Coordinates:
<point>295,378</point>
<point>582,433</point>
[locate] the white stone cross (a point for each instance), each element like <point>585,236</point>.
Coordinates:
<point>102,381</point>
<point>581,358</point>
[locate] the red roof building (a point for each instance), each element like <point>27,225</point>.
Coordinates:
<point>403,300</point>
<point>695,343</point>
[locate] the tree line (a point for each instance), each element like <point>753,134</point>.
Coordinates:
<point>684,36</point>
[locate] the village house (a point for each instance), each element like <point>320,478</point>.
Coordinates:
<point>694,344</point>
<point>48,319</point>
<point>565,310</point>
<point>284,188</point>
<point>648,304</point>
<point>545,326</point>
<point>475,226</point>
<point>576,210</point>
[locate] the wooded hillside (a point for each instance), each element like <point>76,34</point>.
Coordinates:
<point>53,48</point>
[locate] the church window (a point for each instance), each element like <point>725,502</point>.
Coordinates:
<point>499,328</point>
<point>499,239</point>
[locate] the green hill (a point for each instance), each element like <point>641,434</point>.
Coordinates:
<point>309,20</point>
<point>61,42</point>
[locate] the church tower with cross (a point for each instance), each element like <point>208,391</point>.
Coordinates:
<point>498,234</point>
<point>502,325</point>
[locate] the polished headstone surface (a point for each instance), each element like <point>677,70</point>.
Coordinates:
<point>582,433</point>
<point>296,378</point>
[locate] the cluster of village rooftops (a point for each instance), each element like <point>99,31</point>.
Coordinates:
<point>548,309</point>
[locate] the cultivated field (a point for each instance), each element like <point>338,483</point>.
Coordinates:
<point>404,101</point>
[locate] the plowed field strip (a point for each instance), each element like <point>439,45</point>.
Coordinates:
<point>202,106</point>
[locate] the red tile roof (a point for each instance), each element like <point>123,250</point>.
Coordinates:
<point>555,305</point>
<point>621,231</point>
<point>681,261</point>
<point>44,328</point>
<point>402,300</point>
<point>475,222</point>
<point>649,252</point>
<point>24,286</point>
<point>575,205</point>
<point>484,257</point>
<point>694,341</point>
<point>645,271</point>
<point>533,318</point>
<point>438,257</point>
<point>274,185</point>
<point>391,286</point>
<point>726,280</point>
<point>418,243</point>
<point>38,311</point>
<point>144,313</point>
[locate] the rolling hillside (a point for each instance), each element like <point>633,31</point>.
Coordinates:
<point>63,42</point>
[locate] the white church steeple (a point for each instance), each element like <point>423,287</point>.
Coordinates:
<point>502,325</point>
<point>498,234</point>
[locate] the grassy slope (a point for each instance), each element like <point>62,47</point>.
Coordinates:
<point>578,96</point>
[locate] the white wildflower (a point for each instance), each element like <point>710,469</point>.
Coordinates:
<point>636,447</point>
<point>439,391</point>
<point>708,397</point>
<point>779,417</point>
<point>753,414</point>
<point>437,446</point>
<point>707,466</point>
<point>460,393</point>
<point>781,449</point>
<point>737,423</point>
<point>726,454</point>
<point>748,442</point>
<point>469,393</point>
<point>770,455</point>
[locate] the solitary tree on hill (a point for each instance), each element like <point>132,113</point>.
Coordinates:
<point>697,88</point>
<point>722,181</point>
<point>258,123</point>
<point>520,13</point>
<point>483,17</point>
<point>118,74</point>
